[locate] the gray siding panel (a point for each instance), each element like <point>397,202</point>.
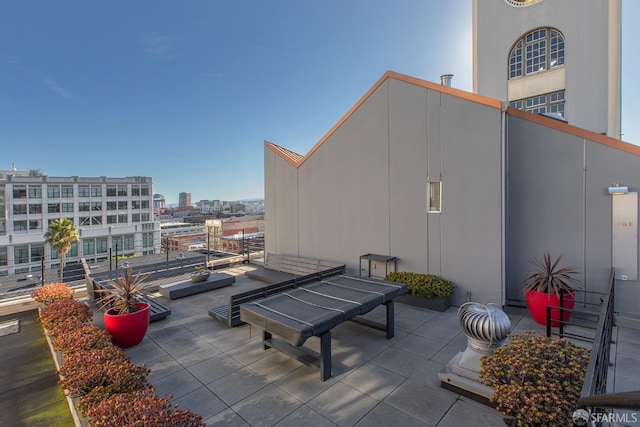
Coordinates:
<point>281,205</point>
<point>558,201</point>
<point>546,204</point>
<point>344,190</point>
<point>471,199</point>
<point>408,175</point>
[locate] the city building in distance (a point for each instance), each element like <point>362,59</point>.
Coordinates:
<point>112,215</point>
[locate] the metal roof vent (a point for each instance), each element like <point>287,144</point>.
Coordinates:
<point>445,80</point>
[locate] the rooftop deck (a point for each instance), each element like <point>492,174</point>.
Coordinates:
<point>224,374</point>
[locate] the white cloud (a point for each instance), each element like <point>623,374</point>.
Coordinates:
<point>160,47</point>
<point>57,88</point>
<point>215,76</point>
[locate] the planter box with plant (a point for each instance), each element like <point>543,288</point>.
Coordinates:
<point>424,290</point>
<point>536,380</point>
<point>544,286</point>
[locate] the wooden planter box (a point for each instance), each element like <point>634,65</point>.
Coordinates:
<point>436,303</point>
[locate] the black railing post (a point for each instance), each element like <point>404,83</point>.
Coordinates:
<point>548,321</point>
<point>208,244</point>
<point>561,313</point>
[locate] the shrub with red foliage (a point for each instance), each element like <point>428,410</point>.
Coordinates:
<point>94,375</point>
<point>58,312</point>
<point>52,292</point>
<point>81,337</point>
<point>141,408</point>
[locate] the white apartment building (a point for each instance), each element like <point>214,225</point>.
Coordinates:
<point>111,214</point>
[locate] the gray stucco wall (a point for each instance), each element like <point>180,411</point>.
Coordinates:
<point>558,202</point>
<point>281,210</point>
<point>364,190</point>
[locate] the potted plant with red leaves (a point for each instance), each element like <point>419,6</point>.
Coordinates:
<point>545,285</point>
<point>126,319</point>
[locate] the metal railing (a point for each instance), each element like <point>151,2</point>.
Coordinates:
<point>559,316</point>
<point>593,397</point>
<point>595,380</point>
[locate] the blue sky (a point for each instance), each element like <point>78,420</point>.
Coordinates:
<point>186,92</point>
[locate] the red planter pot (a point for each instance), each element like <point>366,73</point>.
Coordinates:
<point>537,303</point>
<point>127,330</point>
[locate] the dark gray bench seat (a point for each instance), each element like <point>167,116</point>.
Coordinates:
<point>184,289</point>
<point>230,313</point>
<point>281,267</point>
<point>313,310</point>
<point>269,275</point>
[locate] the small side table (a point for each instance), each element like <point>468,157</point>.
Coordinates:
<point>386,259</point>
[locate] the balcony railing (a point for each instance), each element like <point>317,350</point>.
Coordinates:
<point>595,380</point>
<point>593,397</point>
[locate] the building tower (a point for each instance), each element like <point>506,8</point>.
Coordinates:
<point>159,203</point>
<point>184,199</point>
<point>548,56</point>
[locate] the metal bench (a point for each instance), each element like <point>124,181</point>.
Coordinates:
<point>230,313</point>
<point>280,267</point>
<point>314,310</point>
<point>187,288</point>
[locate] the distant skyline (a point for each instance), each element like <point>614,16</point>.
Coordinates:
<point>187,92</point>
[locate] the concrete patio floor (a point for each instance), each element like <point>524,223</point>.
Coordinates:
<point>224,375</point>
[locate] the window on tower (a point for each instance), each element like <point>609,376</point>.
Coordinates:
<point>539,50</point>
<point>540,104</point>
<point>537,53</point>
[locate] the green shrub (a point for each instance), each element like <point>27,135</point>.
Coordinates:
<point>423,285</point>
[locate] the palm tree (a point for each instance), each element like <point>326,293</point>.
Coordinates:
<point>61,235</point>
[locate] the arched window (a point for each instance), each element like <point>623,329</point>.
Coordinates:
<point>539,50</point>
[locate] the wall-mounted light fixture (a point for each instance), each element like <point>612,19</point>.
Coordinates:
<point>616,188</point>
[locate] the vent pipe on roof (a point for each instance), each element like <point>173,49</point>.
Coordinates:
<point>445,80</point>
